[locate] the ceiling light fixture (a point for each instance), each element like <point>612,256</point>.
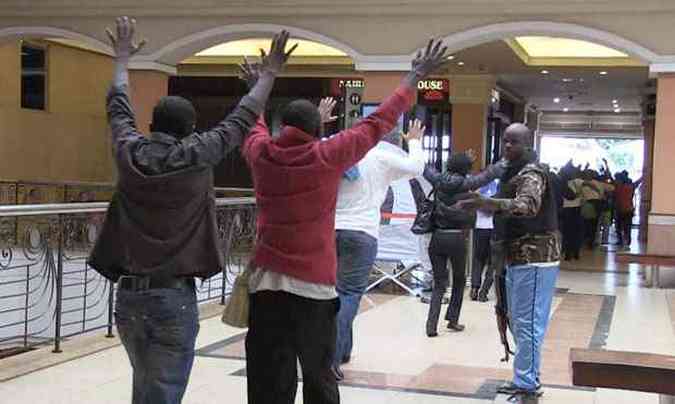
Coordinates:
<point>460,63</point>
<point>567,80</point>
<point>615,101</point>
<point>566,109</point>
<point>603,73</point>
<point>556,100</point>
<point>617,110</point>
<point>544,72</point>
<point>451,57</point>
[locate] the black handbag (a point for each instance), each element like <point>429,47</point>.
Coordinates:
<point>424,221</point>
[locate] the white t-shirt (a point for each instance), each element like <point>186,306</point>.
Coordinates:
<point>575,185</point>
<point>359,201</point>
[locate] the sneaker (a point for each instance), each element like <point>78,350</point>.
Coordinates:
<point>510,388</point>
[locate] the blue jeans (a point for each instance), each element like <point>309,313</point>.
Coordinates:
<point>356,252</point>
<point>529,291</point>
<point>158,328</point>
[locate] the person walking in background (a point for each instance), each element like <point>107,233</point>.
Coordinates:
<point>624,194</point>
<point>480,287</point>
<point>449,240</point>
<point>572,222</point>
<point>357,222</point>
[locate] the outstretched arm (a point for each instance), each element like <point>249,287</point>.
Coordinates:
<point>212,146</point>
<point>120,113</point>
<point>349,146</point>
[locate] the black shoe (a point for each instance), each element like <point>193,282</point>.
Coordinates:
<point>432,334</point>
<point>482,297</point>
<point>337,372</point>
<point>456,327</point>
<point>474,294</point>
<point>512,389</point>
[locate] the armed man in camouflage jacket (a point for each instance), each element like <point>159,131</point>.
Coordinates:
<point>526,222</point>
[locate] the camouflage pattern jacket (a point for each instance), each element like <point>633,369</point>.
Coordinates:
<point>525,194</point>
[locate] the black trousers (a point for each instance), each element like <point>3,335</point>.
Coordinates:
<point>447,245</point>
<point>573,232</point>
<point>481,258</point>
<point>283,328</point>
<point>624,225</point>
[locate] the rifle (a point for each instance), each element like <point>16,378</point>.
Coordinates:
<point>498,260</point>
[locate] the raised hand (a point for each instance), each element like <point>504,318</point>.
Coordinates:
<point>249,73</point>
<point>277,58</point>
<point>433,57</point>
<point>415,131</point>
<point>326,107</point>
<point>124,43</point>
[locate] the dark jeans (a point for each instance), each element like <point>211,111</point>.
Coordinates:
<point>624,225</point>
<point>356,252</point>
<point>481,258</point>
<point>447,245</point>
<point>158,328</point>
<point>573,232</point>
<point>283,328</point>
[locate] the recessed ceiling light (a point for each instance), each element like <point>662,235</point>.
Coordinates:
<point>556,100</point>
<point>544,72</point>
<point>603,73</point>
<point>615,101</point>
<point>566,109</point>
<point>617,110</point>
<point>460,63</point>
<point>567,80</point>
<point>451,57</point>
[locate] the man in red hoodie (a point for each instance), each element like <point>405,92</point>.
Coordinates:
<point>293,299</point>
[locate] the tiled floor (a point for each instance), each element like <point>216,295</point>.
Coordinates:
<point>394,362</point>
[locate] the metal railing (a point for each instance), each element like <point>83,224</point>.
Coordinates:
<point>48,293</point>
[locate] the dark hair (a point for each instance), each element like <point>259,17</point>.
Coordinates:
<point>303,115</point>
<point>175,116</point>
<point>459,163</point>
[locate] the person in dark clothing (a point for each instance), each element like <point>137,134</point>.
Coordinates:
<point>450,237</point>
<point>624,193</point>
<point>160,230</point>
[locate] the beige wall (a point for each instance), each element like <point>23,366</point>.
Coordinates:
<point>380,85</point>
<point>468,129</point>
<point>663,191</point>
<point>68,141</point>
<point>147,87</point>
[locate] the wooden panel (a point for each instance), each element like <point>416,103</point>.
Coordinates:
<point>623,370</point>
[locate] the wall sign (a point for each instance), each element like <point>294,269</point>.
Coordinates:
<point>433,92</point>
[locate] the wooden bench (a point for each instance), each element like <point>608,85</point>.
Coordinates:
<point>625,371</point>
<point>653,260</point>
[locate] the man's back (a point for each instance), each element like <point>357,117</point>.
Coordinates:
<point>296,179</point>
<point>162,217</point>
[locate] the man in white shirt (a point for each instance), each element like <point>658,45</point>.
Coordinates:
<point>357,223</point>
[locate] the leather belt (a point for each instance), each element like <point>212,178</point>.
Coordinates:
<point>140,283</point>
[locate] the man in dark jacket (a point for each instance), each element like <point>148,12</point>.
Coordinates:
<point>526,222</point>
<point>449,240</point>
<point>160,230</point>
